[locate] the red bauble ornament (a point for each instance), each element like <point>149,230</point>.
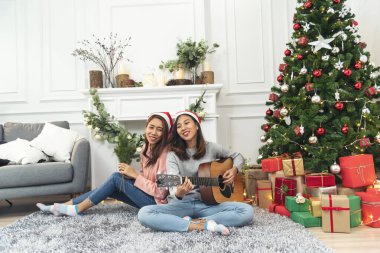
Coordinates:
<point>273,97</point>
<point>320,131</point>
<point>269,112</point>
<point>296,26</point>
<point>364,142</point>
<point>362,45</point>
<point>339,106</point>
<point>370,91</point>
<point>308,4</point>
<point>282,67</point>
<point>358,85</point>
<point>302,41</point>
<point>280,78</point>
<point>344,129</point>
<point>336,1</point>
<point>347,72</point>
<point>300,57</point>
<point>277,114</point>
<point>355,23</point>
<point>287,52</point>
<point>317,73</point>
<point>309,87</point>
<point>358,65</point>
<point>266,127</point>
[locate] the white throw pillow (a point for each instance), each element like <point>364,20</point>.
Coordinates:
<point>20,152</point>
<point>56,142</point>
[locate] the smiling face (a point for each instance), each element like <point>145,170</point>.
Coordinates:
<point>187,129</point>
<point>154,131</point>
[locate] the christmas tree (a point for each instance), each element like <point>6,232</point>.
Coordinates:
<point>325,104</point>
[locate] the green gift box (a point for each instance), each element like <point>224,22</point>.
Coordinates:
<point>355,211</point>
<point>306,219</point>
<point>293,206</point>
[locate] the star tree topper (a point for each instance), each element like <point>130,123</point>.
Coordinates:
<point>321,43</point>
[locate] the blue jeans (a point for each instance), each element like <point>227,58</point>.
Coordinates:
<point>119,188</point>
<point>169,217</point>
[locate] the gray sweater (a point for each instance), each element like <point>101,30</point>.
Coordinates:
<point>175,166</point>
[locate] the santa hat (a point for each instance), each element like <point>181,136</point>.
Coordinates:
<point>166,116</point>
<point>189,113</point>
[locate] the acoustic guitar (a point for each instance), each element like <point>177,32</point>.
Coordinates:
<point>210,181</point>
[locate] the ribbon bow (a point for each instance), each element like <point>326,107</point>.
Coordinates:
<point>299,198</point>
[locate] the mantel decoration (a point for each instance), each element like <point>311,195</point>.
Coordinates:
<point>190,55</point>
<point>106,127</point>
<point>105,53</point>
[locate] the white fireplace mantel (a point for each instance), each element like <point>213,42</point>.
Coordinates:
<point>135,104</point>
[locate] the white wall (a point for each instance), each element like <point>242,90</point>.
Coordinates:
<point>40,80</point>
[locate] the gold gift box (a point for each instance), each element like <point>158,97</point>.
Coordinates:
<point>287,165</point>
<point>315,204</point>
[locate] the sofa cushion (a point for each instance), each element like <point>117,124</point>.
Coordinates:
<point>12,176</point>
<point>20,151</point>
<point>27,131</point>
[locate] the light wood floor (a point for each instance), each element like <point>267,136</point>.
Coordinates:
<point>361,239</point>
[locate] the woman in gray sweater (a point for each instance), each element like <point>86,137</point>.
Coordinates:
<point>185,210</point>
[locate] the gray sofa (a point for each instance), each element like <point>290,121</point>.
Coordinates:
<point>47,178</point>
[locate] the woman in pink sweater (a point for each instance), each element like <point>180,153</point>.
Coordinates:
<point>128,185</point>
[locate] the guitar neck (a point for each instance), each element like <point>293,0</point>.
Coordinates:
<point>206,181</point>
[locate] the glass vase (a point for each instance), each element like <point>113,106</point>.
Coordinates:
<point>194,74</point>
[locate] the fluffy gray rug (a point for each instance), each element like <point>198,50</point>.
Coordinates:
<point>114,228</point>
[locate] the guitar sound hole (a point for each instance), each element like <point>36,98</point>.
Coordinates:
<point>225,190</point>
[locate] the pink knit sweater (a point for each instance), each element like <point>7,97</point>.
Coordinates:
<point>146,181</point>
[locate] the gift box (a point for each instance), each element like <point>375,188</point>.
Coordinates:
<point>292,205</point>
<point>335,213</point>
<point>373,190</point>
<point>299,179</point>
<point>319,180</point>
<point>357,170</point>
<point>279,209</point>
<point>264,193</point>
<point>293,167</point>
<point>355,211</point>
<point>350,191</point>
<point>306,219</point>
<point>250,181</point>
<point>370,208</point>
<point>319,191</point>
<point>315,204</point>
<point>284,187</point>
<point>271,164</point>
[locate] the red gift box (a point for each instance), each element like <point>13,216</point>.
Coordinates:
<point>370,208</point>
<point>319,180</point>
<point>373,191</point>
<point>279,209</point>
<point>284,187</point>
<point>357,170</point>
<point>271,164</point>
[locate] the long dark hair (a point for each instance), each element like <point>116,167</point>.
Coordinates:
<point>159,147</point>
<point>178,145</point>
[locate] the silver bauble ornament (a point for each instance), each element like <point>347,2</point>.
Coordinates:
<point>269,141</point>
<point>263,138</point>
<point>284,88</point>
<point>284,111</point>
<point>325,57</point>
<point>313,139</point>
<point>377,138</point>
<point>363,58</point>
<point>315,99</point>
<point>330,10</point>
<point>357,40</point>
<point>343,36</point>
<point>335,168</point>
<point>335,50</point>
<point>366,110</point>
<point>259,157</point>
<point>303,71</point>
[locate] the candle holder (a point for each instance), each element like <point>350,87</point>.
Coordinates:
<point>122,80</point>
<point>207,77</point>
<point>96,79</point>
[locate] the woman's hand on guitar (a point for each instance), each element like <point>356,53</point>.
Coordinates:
<point>184,188</point>
<point>127,170</point>
<point>229,175</point>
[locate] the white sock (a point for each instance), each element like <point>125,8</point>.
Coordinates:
<point>45,208</point>
<point>70,210</point>
<point>214,227</point>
